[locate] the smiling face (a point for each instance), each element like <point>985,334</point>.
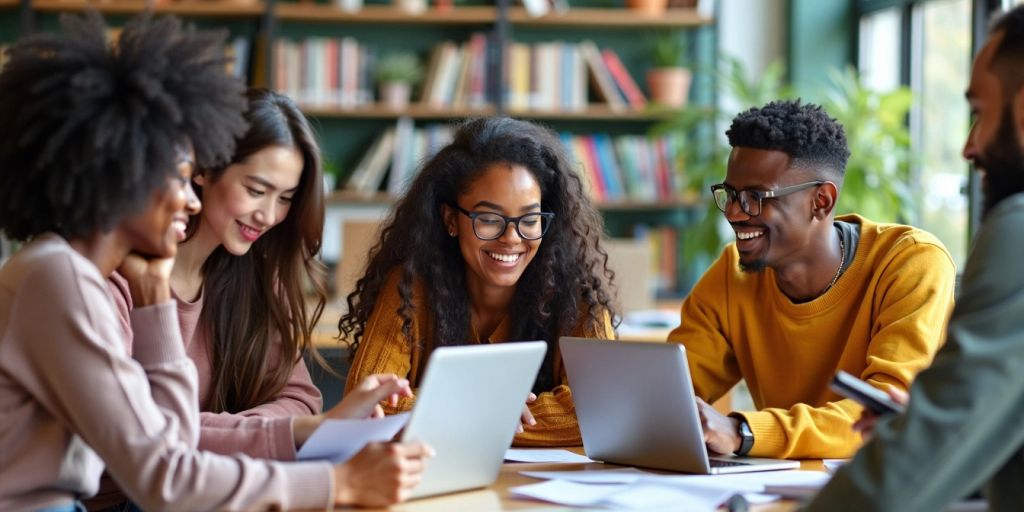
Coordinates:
<point>781,233</point>
<point>157,230</point>
<point>509,190</point>
<point>994,144</point>
<point>250,197</point>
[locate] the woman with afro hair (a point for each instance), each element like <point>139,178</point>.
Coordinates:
<point>494,242</point>
<point>97,147</point>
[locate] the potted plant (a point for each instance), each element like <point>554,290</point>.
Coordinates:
<point>648,7</point>
<point>669,80</point>
<point>396,74</point>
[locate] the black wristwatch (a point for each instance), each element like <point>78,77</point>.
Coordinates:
<point>746,435</point>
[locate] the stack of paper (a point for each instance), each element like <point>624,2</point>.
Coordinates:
<point>339,440</point>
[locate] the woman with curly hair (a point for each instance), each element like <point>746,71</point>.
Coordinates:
<point>97,149</point>
<point>494,242</point>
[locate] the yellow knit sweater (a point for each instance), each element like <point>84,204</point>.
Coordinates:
<point>384,349</point>
<point>882,321</point>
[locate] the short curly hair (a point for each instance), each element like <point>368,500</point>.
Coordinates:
<point>804,131</point>
<point>92,128</point>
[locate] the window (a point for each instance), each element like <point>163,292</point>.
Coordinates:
<point>926,45</point>
<point>940,67</point>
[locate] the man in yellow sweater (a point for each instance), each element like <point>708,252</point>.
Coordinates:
<point>802,293</point>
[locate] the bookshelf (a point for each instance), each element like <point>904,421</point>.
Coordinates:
<point>189,8</point>
<point>348,129</point>
<point>609,18</point>
<point>377,14</point>
<point>414,111</point>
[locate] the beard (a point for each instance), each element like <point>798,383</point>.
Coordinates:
<point>757,265</point>
<point>1003,163</point>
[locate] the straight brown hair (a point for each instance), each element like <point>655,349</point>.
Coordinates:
<point>254,306</point>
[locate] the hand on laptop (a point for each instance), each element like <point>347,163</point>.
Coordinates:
<point>527,417</point>
<point>381,474</point>
<point>868,419</point>
<point>721,433</point>
<point>364,400</point>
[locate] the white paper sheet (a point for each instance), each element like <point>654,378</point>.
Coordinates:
<point>646,494</point>
<point>339,440</point>
<point>567,493</point>
<point>592,476</point>
<point>544,455</point>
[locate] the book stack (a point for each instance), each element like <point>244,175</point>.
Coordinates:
<point>325,72</point>
<point>664,251</point>
<point>554,76</point>
<point>628,167</point>
<point>237,52</point>
<point>395,156</point>
<point>457,74</point>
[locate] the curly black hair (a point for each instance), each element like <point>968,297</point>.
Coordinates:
<point>568,283</point>
<point>91,128</point>
<point>804,131</point>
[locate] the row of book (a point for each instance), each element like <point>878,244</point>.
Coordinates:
<point>664,264</point>
<point>621,168</point>
<point>628,167</point>
<point>324,72</point>
<point>554,76</point>
<point>395,156</point>
<point>551,76</point>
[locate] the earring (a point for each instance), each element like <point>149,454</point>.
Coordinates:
<point>452,233</point>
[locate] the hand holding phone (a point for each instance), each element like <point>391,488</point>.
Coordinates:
<point>876,400</point>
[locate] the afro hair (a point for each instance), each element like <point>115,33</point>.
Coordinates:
<point>804,131</point>
<point>91,128</point>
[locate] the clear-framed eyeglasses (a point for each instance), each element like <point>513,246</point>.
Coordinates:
<point>750,199</point>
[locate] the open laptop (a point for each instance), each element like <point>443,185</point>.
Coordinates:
<point>635,406</point>
<point>467,408</point>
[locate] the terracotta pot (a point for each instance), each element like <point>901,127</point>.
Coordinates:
<point>395,95</point>
<point>412,6</point>
<point>648,7</point>
<point>669,87</point>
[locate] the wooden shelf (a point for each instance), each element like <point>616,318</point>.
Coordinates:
<point>195,8</point>
<point>596,113</point>
<point>9,4</point>
<point>611,18</point>
<point>371,14</point>
<point>413,111</point>
<point>348,197</point>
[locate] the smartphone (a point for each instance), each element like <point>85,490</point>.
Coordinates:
<point>875,399</point>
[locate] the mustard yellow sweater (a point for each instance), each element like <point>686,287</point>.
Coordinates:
<point>384,349</point>
<point>882,321</point>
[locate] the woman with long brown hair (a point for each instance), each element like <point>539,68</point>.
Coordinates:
<point>239,280</point>
<point>495,241</point>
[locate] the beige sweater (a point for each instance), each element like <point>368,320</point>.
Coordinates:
<point>72,400</point>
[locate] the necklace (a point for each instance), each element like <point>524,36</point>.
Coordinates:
<point>842,261</point>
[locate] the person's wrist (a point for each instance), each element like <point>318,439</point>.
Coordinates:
<point>744,434</point>
<point>342,492</point>
<point>152,291</point>
<point>303,427</point>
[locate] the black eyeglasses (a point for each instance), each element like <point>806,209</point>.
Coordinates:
<point>750,199</point>
<point>490,226</point>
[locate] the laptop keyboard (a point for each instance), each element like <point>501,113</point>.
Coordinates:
<point>718,463</point>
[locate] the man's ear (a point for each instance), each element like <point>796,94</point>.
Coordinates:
<point>825,197</point>
<point>199,178</point>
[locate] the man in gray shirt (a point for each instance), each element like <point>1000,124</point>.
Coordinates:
<point>964,427</point>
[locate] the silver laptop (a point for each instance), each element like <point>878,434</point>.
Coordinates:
<point>635,406</point>
<point>467,408</point>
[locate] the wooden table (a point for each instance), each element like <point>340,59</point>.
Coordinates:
<point>496,496</point>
